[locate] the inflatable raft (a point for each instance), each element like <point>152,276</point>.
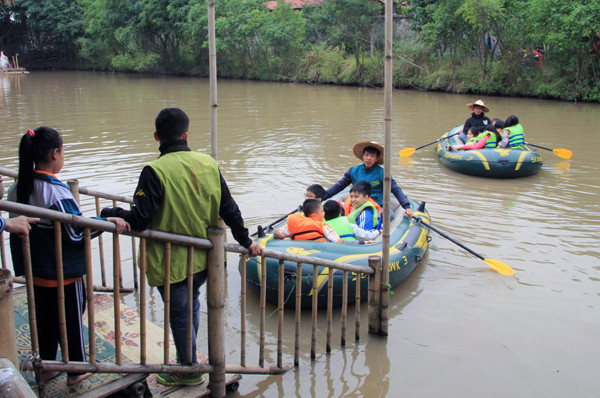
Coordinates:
<point>409,241</point>
<point>494,162</point>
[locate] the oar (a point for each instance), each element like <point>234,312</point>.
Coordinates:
<point>560,152</point>
<point>495,264</point>
<point>406,152</point>
<point>260,228</point>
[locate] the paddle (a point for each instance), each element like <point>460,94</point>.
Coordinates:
<point>406,152</point>
<point>495,264</point>
<point>560,152</point>
<point>260,230</point>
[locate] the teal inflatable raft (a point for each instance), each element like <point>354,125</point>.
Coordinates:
<point>494,162</point>
<point>409,241</point>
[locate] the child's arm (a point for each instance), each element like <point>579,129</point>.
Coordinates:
<point>330,234</point>
<point>504,142</point>
<point>282,233</point>
<point>363,234</point>
<point>480,144</point>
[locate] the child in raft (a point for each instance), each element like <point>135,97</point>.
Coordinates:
<point>346,230</point>
<point>308,226</point>
<point>488,138</point>
<point>361,209</point>
<point>41,157</point>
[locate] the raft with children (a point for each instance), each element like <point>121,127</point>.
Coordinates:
<point>487,162</point>
<point>409,241</point>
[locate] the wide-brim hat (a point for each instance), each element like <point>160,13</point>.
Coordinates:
<point>478,103</point>
<point>359,149</point>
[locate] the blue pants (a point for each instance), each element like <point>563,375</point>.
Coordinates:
<point>178,315</point>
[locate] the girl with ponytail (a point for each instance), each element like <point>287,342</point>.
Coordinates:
<point>41,157</point>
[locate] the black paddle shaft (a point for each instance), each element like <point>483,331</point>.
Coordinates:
<point>451,239</point>
<point>439,139</point>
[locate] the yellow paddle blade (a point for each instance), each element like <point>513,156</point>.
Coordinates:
<point>406,152</point>
<point>499,266</point>
<point>563,153</point>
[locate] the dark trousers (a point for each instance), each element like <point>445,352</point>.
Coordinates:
<point>46,312</point>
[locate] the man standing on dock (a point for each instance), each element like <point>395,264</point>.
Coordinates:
<point>181,192</point>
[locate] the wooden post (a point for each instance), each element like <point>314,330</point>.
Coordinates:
<point>167,302</point>
<point>281,304</point>
<point>60,292</point>
<point>215,296</point>
<point>315,302</point>
<point>8,336</point>
<point>357,308</point>
<point>212,62</point>
<point>190,306</point>
<point>344,306</point>
<point>329,308</point>
<point>74,187</point>
<point>101,247</point>
<point>298,313</point>
<point>89,290</point>
<point>117,295</point>
<point>374,295</point>
<point>30,295</point>
<point>143,301</point>
<point>243,262</point>
<point>263,307</point>
<point>134,259</point>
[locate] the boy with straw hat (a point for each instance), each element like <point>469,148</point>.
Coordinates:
<point>477,119</point>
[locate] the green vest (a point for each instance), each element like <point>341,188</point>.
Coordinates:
<point>472,141</point>
<point>342,227</point>
<point>491,141</point>
<point>354,214</point>
<point>516,139</point>
<point>191,199</point>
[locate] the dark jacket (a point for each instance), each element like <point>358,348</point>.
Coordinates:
<point>476,121</point>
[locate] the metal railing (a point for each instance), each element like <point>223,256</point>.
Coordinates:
<point>216,247</point>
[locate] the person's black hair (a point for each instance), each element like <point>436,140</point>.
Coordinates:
<point>510,121</point>
<point>499,123</point>
<point>372,149</point>
<point>492,129</point>
<point>310,206</point>
<point>362,187</point>
<point>35,147</point>
<point>317,189</point>
<point>171,124</point>
<point>332,209</point>
<point>496,120</point>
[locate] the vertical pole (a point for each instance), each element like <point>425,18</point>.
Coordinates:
<point>60,292</point>
<point>134,260</point>
<point>344,306</point>
<point>387,178</point>
<point>89,292</point>
<point>329,308</point>
<point>117,246</point>
<point>374,295</point>
<point>8,336</point>
<point>263,310</point>
<point>215,295</point>
<point>167,302</point>
<point>298,313</point>
<point>190,308</point>
<point>117,296</point>
<point>243,262</point>
<point>357,308</point>
<point>280,306</point>
<point>101,247</point>
<point>315,303</point>
<point>142,301</point>
<point>212,61</point>
<point>30,295</point>
<point>74,187</point>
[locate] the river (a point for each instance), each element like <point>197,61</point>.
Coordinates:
<point>457,328</point>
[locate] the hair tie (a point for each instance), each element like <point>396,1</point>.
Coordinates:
<point>31,133</point>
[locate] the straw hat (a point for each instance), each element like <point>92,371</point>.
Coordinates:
<point>359,149</point>
<point>479,103</point>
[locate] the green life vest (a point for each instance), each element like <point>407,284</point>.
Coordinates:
<point>491,141</point>
<point>516,139</point>
<point>471,141</point>
<point>191,199</point>
<point>342,227</point>
<point>354,214</point>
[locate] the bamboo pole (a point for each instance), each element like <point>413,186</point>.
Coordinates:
<point>315,302</point>
<point>13,384</point>
<point>298,313</point>
<point>167,302</point>
<point>190,306</point>
<point>117,296</point>
<point>30,295</point>
<point>329,308</point>
<point>357,308</point>
<point>89,292</point>
<point>243,262</point>
<point>387,178</point>
<point>134,260</point>
<point>101,247</point>
<point>344,307</point>
<point>263,305</point>
<point>212,60</point>
<point>143,346</point>
<point>280,310</point>
<point>114,248</point>
<point>60,292</point>
<point>2,249</point>
<point>8,337</point>
<point>216,297</point>
<point>374,295</point>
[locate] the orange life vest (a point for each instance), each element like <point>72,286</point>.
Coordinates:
<point>306,228</point>
<point>348,206</point>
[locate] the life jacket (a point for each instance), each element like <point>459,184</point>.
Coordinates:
<point>305,228</point>
<point>516,139</point>
<point>491,142</point>
<point>342,227</point>
<point>353,214</point>
<point>471,141</point>
<point>348,206</point>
